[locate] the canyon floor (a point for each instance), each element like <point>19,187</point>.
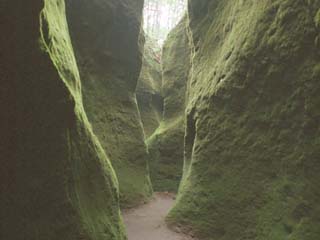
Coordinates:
<point>147,222</point>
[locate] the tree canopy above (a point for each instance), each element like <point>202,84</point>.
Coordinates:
<point>160,16</point>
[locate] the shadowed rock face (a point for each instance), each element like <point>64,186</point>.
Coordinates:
<point>251,103</point>
<point>56,181</point>
<point>149,95</point>
<point>166,145</point>
<point>105,35</point>
<point>252,154</point>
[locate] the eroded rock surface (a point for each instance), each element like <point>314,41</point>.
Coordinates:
<point>166,145</point>
<point>56,181</point>
<point>247,106</point>
<point>149,93</point>
<point>106,35</point>
<point>252,154</point>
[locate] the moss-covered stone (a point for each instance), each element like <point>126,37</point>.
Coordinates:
<point>166,145</point>
<point>149,95</point>
<point>252,137</point>
<point>56,181</point>
<point>105,35</point>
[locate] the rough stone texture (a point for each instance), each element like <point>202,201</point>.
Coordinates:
<point>252,154</point>
<point>149,96</point>
<point>105,34</point>
<point>56,181</point>
<point>167,142</point>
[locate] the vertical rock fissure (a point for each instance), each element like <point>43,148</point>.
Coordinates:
<point>189,139</point>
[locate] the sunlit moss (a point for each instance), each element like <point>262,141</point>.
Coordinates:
<point>93,187</point>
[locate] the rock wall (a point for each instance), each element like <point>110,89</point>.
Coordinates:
<point>56,181</point>
<point>149,94</point>
<point>166,145</point>
<point>252,153</point>
<point>105,35</point>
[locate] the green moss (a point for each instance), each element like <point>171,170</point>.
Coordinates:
<point>121,136</point>
<point>137,186</point>
<point>56,39</point>
<point>166,155</point>
<point>317,19</point>
<point>58,182</point>
<point>251,152</point>
<point>166,144</point>
<point>93,187</point>
<point>109,59</point>
<point>148,91</point>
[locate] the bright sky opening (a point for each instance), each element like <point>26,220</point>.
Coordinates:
<point>160,16</point>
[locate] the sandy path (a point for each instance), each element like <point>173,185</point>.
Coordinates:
<point>147,222</point>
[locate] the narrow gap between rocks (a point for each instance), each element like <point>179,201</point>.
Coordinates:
<point>205,125</point>
<point>147,221</point>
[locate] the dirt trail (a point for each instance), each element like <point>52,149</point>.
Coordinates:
<point>147,222</point>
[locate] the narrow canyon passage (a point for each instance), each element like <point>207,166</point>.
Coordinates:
<point>147,222</point>
<point>107,104</point>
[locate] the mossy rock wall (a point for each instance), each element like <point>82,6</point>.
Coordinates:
<point>149,95</point>
<point>252,154</point>
<point>56,181</point>
<point>166,145</point>
<point>106,37</point>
